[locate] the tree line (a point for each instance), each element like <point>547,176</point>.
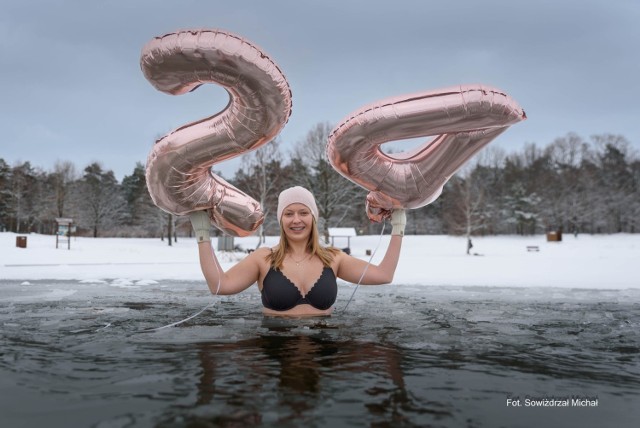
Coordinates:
<point>573,184</point>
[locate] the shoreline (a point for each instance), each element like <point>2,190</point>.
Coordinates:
<point>585,262</point>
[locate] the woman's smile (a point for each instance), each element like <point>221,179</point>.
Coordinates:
<point>296,219</point>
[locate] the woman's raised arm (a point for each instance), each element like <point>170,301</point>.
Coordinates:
<point>238,278</point>
<point>351,268</point>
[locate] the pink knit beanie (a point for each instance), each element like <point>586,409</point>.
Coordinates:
<point>298,195</point>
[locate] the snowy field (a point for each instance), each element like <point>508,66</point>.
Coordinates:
<point>591,262</point>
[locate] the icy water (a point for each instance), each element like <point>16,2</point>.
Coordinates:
<point>84,355</point>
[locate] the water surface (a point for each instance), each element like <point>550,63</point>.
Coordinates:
<point>90,355</point>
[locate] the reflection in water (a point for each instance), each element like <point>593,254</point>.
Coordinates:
<point>307,373</point>
<point>400,357</point>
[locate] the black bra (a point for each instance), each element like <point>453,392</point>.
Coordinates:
<point>280,294</point>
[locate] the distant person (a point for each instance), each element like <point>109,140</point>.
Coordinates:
<point>297,277</point>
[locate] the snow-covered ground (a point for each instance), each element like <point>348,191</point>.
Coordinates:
<point>594,262</point>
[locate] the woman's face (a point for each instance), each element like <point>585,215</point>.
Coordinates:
<point>297,222</point>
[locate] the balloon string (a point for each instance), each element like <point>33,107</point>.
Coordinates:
<point>365,268</point>
<point>364,271</point>
<point>199,312</point>
<point>181,321</point>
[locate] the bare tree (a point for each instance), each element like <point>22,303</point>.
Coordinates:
<point>490,172</point>
<point>55,195</point>
<point>261,175</point>
<point>567,155</point>
<point>334,194</point>
<point>469,202</point>
<point>64,173</point>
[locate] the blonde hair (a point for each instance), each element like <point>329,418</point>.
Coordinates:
<point>325,254</point>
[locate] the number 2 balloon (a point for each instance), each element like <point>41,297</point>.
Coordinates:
<point>460,121</point>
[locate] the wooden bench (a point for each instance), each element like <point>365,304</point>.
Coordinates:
<point>533,248</point>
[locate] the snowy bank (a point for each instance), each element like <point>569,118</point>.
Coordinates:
<point>594,262</point>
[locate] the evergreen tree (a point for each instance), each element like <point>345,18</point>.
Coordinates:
<point>5,195</point>
<point>141,215</point>
<point>99,200</point>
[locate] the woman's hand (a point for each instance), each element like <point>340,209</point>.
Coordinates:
<point>201,224</point>
<point>398,221</point>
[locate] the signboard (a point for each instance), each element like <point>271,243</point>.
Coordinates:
<point>64,232</point>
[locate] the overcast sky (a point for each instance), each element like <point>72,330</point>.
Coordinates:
<point>72,88</point>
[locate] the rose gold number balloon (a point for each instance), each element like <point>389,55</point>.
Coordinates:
<point>179,165</point>
<point>463,120</point>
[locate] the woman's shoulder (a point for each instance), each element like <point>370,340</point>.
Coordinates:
<point>260,256</point>
<point>335,251</point>
<point>263,251</point>
<point>337,254</point>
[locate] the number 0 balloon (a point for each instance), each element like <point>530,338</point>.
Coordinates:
<point>178,172</point>
<point>461,120</point>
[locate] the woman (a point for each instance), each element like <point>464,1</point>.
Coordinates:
<point>298,276</point>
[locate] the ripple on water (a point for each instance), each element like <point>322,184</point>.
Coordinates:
<point>398,355</point>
